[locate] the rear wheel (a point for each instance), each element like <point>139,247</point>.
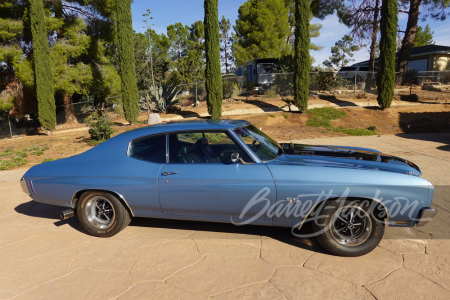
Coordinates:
<point>102,214</point>
<point>348,228</point>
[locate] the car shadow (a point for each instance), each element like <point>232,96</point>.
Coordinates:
<point>284,235</point>
<point>281,234</point>
<point>443,138</point>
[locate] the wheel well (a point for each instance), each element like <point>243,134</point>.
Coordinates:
<point>78,194</point>
<point>380,211</point>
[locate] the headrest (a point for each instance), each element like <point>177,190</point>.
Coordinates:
<point>201,142</point>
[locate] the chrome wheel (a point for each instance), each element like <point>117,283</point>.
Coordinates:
<point>350,225</point>
<point>100,212</point>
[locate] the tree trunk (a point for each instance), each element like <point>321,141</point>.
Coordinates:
<point>408,40</point>
<point>375,28</point>
<point>226,56</point>
<point>69,111</point>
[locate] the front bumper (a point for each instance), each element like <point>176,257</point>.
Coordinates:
<point>426,216</point>
<point>23,184</point>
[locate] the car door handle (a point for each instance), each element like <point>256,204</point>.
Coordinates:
<point>169,173</point>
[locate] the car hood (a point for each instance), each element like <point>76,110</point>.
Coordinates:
<point>344,157</point>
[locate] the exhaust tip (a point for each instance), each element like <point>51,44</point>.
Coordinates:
<point>66,214</point>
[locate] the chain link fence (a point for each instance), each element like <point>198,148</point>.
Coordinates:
<point>267,86</point>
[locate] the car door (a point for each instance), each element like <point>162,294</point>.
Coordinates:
<point>200,180</point>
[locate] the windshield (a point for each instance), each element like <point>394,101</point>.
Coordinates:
<point>259,143</point>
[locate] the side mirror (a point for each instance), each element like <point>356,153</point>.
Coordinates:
<point>235,157</point>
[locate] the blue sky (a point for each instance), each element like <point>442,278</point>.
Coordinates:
<point>166,12</point>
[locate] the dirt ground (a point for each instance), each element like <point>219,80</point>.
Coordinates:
<point>432,115</point>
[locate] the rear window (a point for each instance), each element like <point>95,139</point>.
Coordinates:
<point>152,149</point>
<point>348,69</point>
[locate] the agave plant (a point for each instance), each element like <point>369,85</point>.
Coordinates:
<point>164,97</point>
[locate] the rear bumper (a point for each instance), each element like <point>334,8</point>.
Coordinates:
<point>24,187</point>
<point>426,216</point>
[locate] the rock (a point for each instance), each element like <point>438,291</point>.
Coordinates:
<point>154,119</point>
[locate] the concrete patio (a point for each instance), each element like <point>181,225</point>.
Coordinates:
<point>42,257</point>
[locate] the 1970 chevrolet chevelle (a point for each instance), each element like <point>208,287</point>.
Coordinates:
<point>229,171</point>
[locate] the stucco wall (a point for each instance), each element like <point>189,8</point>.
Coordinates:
<point>441,63</point>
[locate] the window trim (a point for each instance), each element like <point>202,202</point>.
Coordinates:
<point>144,137</point>
<point>228,132</point>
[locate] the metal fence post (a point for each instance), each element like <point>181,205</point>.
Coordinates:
<point>10,130</point>
<point>196,98</point>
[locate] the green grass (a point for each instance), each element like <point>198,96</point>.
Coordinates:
<point>94,142</point>
<point>354,131</point>
<point>12,163</point>
<point>21,153</point>
<point>47,160</point>
<point>7,152</point>
<point>37,152</point>
<point>322,117</point>
<point>318,122</point>
<point>328,113</point>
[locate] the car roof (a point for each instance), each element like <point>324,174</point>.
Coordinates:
<point>191,125</point>
<point>187,126</point>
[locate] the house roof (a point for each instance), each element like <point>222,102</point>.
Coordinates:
<point>417,52</point>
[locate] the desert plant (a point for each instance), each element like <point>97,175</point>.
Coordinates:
<point>228,89</point>
<point>288,102</point>
<point>271,92</point>
<point>164,97</point>
<point>100,127</point>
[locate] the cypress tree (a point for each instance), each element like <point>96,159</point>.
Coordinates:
<point>130,96</point>
<point>213,80</point>
<point>42,67</point>
<point>301,58</point>
<point>388,43</point>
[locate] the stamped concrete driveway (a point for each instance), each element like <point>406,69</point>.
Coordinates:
<point>42,257</point>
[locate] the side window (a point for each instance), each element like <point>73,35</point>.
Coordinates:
<point>203,147</point>
<point>151,148</point>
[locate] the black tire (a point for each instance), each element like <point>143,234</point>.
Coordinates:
<point>102,214</point>
<point>348,228</point>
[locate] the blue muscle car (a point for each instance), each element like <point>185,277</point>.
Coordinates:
<point>229,171</point>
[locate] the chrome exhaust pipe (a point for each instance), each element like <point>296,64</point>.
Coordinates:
<point>69,213</point>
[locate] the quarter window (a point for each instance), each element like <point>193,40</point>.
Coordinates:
<point>152,149</point>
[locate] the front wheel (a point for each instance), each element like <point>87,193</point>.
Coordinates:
<point>348,228</point>
<point>102,214</point>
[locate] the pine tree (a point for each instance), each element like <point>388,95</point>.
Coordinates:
<point>262,31</point>
<point>386,63</point>
<point>42,67</point>
<point>130,96</point>
<point>423,37</point>
<point>213,83</point>
<point>301,58</point>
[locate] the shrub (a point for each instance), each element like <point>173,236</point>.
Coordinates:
<point>100,127</point>
<point>228,89</point>
<point>372,127</point>
<point>271,92</point>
